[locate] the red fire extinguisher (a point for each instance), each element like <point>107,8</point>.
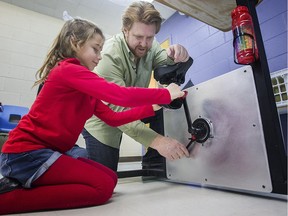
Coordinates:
<point>244,43</point>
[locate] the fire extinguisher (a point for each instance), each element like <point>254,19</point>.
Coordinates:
<point>244,43</point>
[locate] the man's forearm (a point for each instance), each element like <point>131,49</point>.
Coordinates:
<point>139,132</point>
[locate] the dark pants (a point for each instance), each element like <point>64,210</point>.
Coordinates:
<point>100,152</point>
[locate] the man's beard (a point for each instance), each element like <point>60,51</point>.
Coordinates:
<point>140,51</point>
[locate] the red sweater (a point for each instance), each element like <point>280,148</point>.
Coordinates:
<point>70,96</point>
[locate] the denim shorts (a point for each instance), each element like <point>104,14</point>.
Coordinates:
<point>26,167</point>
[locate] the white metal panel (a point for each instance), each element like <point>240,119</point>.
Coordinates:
<point>236,155</point>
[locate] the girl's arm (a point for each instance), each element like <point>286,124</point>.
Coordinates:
<point>89,83</point>
<point>115,119</point>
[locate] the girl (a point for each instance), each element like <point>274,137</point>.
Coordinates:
<point>39,152</point>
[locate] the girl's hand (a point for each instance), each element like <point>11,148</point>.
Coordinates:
<point>175,91</point>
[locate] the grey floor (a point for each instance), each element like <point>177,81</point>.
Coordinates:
<point>137,197</point>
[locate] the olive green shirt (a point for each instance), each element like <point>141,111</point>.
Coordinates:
<point>118,66</point>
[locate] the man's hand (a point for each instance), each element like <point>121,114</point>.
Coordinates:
<point>178,53</point>
<point>169,148</point>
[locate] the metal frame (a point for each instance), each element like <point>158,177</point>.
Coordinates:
<point>269,114</point>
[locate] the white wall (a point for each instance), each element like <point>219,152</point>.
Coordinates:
<point>25,37</point>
